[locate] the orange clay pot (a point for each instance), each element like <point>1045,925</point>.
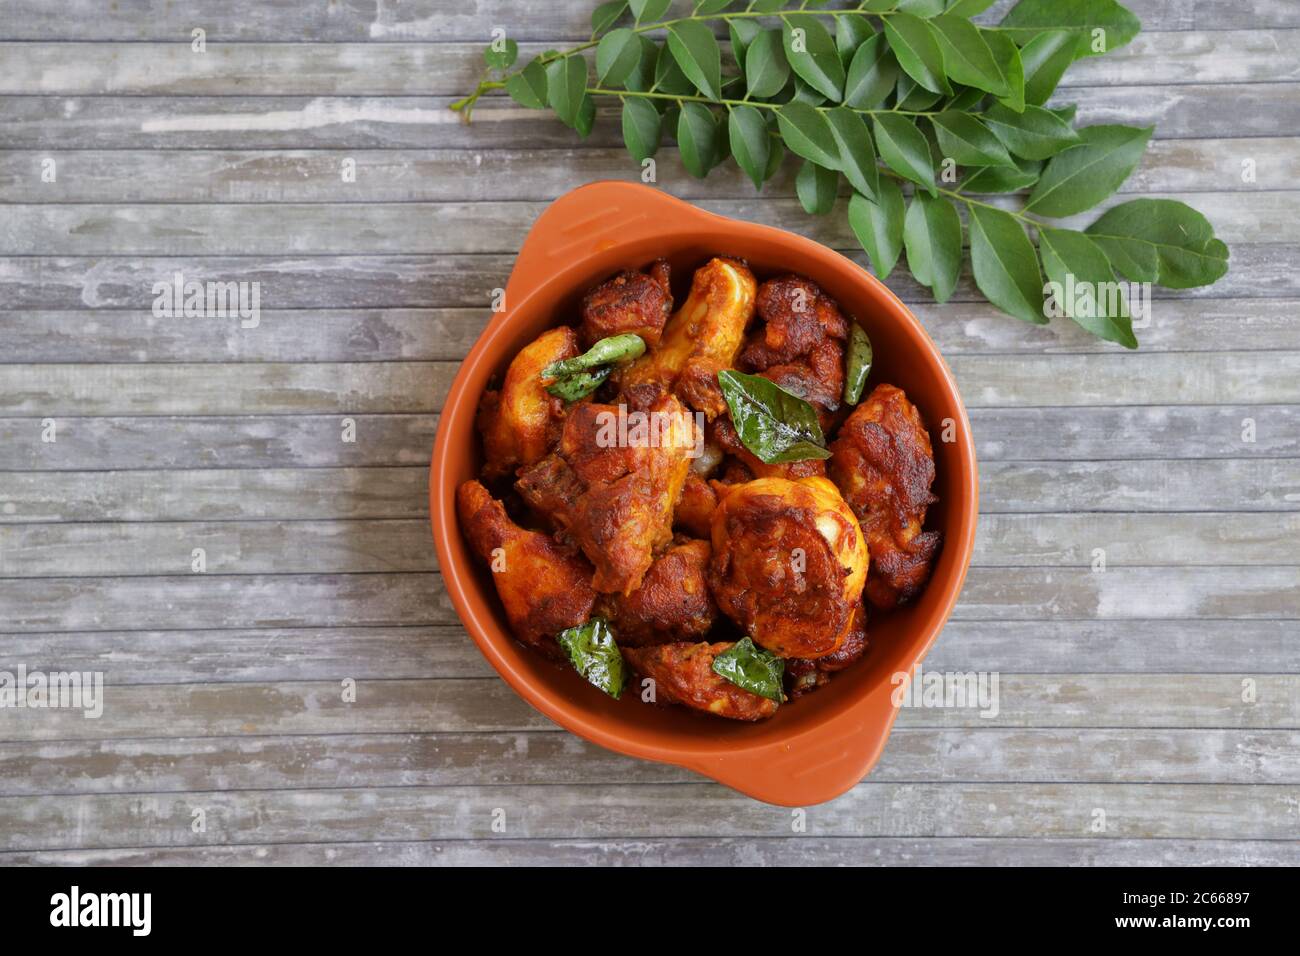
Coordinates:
<point>819,746</point>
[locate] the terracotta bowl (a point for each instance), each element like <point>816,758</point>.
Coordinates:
<point>819,746</point>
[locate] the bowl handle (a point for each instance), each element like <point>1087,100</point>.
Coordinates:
<point>589,219</point>
<point>814,767</point>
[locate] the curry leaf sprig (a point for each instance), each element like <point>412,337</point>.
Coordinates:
<point>925,115</point>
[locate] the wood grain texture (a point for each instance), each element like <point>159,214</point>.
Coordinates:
<point>1164,690</point>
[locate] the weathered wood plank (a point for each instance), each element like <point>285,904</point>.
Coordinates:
<point>460,228</point>
<point>703,851</point>
<point>72,68</point>
<point>1238,485</point>
<point>423,122</point>
<point>276,654</point>
<point>314,441</point>
<point>400,281</point>
<point>404,599</point>
<point>105,548</point>
<point>252,20</point>
<point>524,759</point>
<point>1116,701</point>
<point>343,335</point>
<point>406,175</point>
<point>1006,810</point>
<point>379,388</point>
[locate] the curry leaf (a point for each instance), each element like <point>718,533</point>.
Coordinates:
<point>812,54</point>
<point>528,87</point>
<point>878,225</point>
<point>1005,264</point>
<point>751,668</point>
<point>595,655</point>
<point>857,155</point>
<point>697,133</point>
<point>966,56</point>
<point>617,55</point>
<point>1034,134</point>
<point>750,141</point>
<point>807,133</point>
<point>1162,240</point>
<point>968,141</point>
<point>873,72</point>
<point>696,51</point>
<point>932,235</point>
<point>766,68</point>
<point>641,128</point>
<point>815,187</point>
<point>1084,175</point>
<point>915,45</point>
<point>1083,285</point>
<point>1046,58</point>
<point>904,149</point>
<point>1098,26</point>
<point>566,86</point>
<point>776,425</point>
<point>857,364</point>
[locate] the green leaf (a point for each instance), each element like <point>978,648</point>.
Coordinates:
<point>964,98</point>
<point>767,6</point>
<point>1034,134</point>
<point>1002,179</point>
<point>579,385</point>
<point>878,225</point>
<point>595,655</point>
<point>912,96</point>
<point>642,77</point>
<point>608,351</point>
<point>586,118</point>
<point>647,11</point>
<point>776,425</point>
<point>502,59</point>
<point>641,128</point>
<point>968,141</point>
<point>857,154</point>
<point>1083,176</point>
<point>873,72</point>
<point>814,57</point>
<point>606,15</point>
<point>617,55</point>
<point>816,187</point>
<point>567,86</point>
<point>669,77</point>
<point>807,133</point>
<point>1046,58</point>
<point>1084,286</point>
<point>766,69</point>
<point>966,57</point>
<point>916,46</point>
<point>921,8</point>
<point>705,8</point>
<point>751,668</point>
<point>697,52</point>
<point>878,6</point>
<point>742,33</point>
<point>904,149</point>
<point>932,235</point>
<point>1080,17</point>
<point>857,363</point>
<point>528,87</point>
<point>750,141</point>
<point>851,31</point>
<point>774,157</point>
<point>969,8</point>
<point>1007,55</point>
<point>697,131</point>
<point>1161,240</point>
<point>1005,264</point>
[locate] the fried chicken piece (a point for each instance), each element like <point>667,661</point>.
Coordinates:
<point>722,431</point>
<point>521,422</point>
<point>543,588</point>
<point>634,302</point>
<point>801,345</point>
<point>703,337</point>
<point>806,675</point>
<point>611,492</point>
<point>695,509</point>
<point>884,466</point>
<point>683,674</point>
<point>789,562</point>
<point>673,602</point>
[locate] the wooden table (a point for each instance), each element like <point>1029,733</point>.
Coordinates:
<point>1163,692</point>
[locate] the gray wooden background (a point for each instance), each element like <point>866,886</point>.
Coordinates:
<point>1127,691</point>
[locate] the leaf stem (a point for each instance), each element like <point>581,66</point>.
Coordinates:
<point>692,98</point>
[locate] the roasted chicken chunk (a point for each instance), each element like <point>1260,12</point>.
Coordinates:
<point>683,674</point>
<point>673,602</point>
<point>789,563</point>
<point>801,343</point>
<point>635,302</point>
<point>695,509</point>
<point>521,422</point>
<point>543,588</point>
<point>807,674</point>
<point>613,491</point>
<point>884,466</point>
<point>701,339</point>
